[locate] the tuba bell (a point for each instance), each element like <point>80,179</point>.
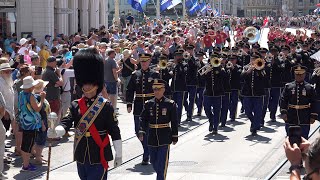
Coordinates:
<point>259,64</point>
<point>252,34</point>
<point>215,62</point>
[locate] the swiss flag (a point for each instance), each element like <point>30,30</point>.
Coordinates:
<point>265,21</point>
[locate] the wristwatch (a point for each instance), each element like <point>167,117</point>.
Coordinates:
<point>294,167</point>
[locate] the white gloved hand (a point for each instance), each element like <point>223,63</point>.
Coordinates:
<point>117,161</point>
<point>51,133</point>
<point>118,148</point>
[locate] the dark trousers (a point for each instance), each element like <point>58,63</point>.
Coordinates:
<point>274,101</point>
<point>86,171</point>
<point>192,91</point>
<point>234,98</point>
<point>253,110</point>
<point>224,108</point>
<point>159,158</point>
<point>178,98</point>
<point>199,99</point>
<point>265,104</point>
<point>212,108</point>
<point>145,138</point>
<point>305,129</point>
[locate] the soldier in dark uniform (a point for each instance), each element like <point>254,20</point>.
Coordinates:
<point>253,91</point>
<point>287,65</point>
<point>269,59</point>
<point>276,84</point>
<point>235,72</point>
<point>297,104</point>
<point>165,72</point>
<point>178,82</point>
<point>213,95</point>
<point>201,84</point>
<point>139,90</point>
<point>227,91</point>
<point>93,125</point>
<point>191,77</point>
<point>159,117</point>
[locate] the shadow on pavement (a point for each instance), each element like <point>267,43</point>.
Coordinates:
<point>268,129</point>
<point>143,170</point>
<point>235,123</point>
<point>226,129</point>
<point>258,139</point>
<point>215,138</point>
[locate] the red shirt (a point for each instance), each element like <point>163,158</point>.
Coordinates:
<point>219,39</point>
<point>271,36</point>
<point>207,40</point>
<point>224,36</point>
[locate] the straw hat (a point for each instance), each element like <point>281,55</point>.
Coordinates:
<point>41,84</point>
<point>5,66</point>
<point>126,53</point>
<point>28,82</point>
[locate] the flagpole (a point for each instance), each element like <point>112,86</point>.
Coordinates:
<point>158,9</point>
<point>155,6</point>
<point>175,12</point>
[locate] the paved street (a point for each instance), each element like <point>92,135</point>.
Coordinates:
<point>232,154</point>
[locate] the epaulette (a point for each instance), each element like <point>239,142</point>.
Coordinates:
<point>151,100</point>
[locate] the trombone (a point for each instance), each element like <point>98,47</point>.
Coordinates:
<point>214,62</point>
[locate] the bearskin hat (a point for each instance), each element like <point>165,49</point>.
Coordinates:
<point>88,68</point>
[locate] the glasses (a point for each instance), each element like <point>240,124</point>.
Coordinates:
<point>308,176</point>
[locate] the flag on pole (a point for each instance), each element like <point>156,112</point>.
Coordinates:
<point>137,4</point>
<point>209,7</point>
<point>189,3</point>
<point>164,4</point>
<point>174,3</point>
<point>216,12</point>
<point>194,8</point>
<point>265,22</point>
<point>203,7</point>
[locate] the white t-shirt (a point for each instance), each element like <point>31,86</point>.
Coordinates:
<point>68,73</point>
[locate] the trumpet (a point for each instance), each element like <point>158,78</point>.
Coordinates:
<point>229,65</point>
<point>215,62</point>
<point>259,64</point>
<point>186,55</point>
<point>163,64</point>
<point>298,49</point>
<point>240,53</point>
<point>281,57</point>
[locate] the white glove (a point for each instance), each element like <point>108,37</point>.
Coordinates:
<point>118,148</point>
<point>51,133</point>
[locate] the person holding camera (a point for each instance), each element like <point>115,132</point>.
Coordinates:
<point>297,103</point>
<point>310,154</point>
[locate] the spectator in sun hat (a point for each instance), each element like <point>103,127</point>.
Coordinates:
<point>30,119</point>
<point>24,47</point>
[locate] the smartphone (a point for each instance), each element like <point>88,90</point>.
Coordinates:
<point>21,59</point>
<point>295,135</point>
<point>38,70</point>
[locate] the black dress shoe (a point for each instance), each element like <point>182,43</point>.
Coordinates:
<point>210,128</point>
<point>254,133</point>
<point>189,119</point>
<point>214,132</point>
<point>232,120</point>
<point>273,120</point>
<point>144,163</point>
<point>198,114</point>
<point>222,125</point>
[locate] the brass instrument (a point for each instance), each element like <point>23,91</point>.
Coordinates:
<point>215,62</point>
<point>229,65</point>
<point>316,72</point>
<point>259,64</point>
<point>252,34</point>
<point>240,53</point>
<point>298,49</point>
<point>186,55</point>
<point>281,57</point>
<point>163,64</point>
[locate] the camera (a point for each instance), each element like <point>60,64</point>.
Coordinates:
<point>38,70</point>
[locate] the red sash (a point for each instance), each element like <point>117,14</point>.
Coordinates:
<point>95,134</point>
